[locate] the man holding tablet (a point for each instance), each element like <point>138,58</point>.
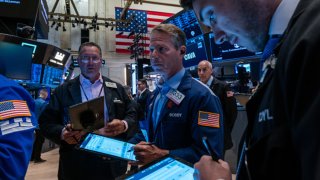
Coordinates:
<point>181,110</point>
<point>119,117</point>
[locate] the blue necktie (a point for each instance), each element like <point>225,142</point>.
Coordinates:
<point>158,104</point>
<point>268,50</point>
<point>271,44</point>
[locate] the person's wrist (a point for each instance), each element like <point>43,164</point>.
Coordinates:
<point>125,125</point>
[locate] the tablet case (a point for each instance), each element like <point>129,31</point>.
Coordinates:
<point>87,116</point>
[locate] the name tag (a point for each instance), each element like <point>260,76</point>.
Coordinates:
<point>175,115</point>
<point>175,96</point>
<point>111,84</point>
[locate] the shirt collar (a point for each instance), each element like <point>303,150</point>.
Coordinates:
<point>175,80</point>
<point>210,80</point>
<point>85,81</point>
<point>282,15</point>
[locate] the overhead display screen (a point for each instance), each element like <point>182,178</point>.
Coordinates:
<point>227,51</point>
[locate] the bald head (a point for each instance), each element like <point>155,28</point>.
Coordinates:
<point>204,71</point>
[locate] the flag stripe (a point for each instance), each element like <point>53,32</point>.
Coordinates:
<point>209,119</point>
<point>147,19</point>
<point>13,108</point>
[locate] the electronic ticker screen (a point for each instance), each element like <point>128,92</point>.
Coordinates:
<point>226,51</point>
<point>196,52</point>
<point>52,77</point>
<point>22,9</point>
<point>187,21</point>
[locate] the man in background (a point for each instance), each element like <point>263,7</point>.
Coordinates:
<point>228,102</point>
<point>40,104</point>
<point>182,110</point>
<point>120,116</point>
<point>141,97</point>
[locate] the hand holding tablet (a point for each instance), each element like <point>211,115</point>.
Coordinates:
<point>107,146</point>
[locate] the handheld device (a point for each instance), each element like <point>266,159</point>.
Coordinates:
<point>168,167</point>
<point>107,146</point>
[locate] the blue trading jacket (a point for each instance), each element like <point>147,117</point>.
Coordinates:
<point>16,133</point>
<point>178,130</point>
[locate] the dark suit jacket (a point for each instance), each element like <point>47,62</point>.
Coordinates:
<point>283,115</point>
<point>229,106</point>
<point>142,100</point>
<point>74,164</point>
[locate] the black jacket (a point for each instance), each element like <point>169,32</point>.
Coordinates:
<point>74,164</point>
<point>283,137</point>
<point>229,106</point>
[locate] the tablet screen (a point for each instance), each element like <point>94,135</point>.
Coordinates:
<point>108,146</point>
<point>167,168</point>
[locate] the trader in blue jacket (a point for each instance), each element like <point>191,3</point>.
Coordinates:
<point>17,124</point>
<point>181,110</point>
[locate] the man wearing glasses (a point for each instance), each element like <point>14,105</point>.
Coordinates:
<point>120,116</point>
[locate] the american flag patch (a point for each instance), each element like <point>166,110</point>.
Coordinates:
<point>209,119</point>
<point>13,108</point>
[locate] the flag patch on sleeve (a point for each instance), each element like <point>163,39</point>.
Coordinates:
<point>13,108</point>
<point>209,119</point>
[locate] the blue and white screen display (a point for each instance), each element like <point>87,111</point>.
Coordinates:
<point>167,168</point>
<point>52,77</point>
<point>108,146</point>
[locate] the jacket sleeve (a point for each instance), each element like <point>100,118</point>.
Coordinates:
<point>16,144</point>
<point>205,103</point>
<point>130,114</point>
<point>51,120</point>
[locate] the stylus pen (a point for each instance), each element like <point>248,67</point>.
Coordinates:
<point>149,143</point>
<point>212,153</point>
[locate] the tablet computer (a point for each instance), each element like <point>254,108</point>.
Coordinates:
<point>168,167</point>
<point>88,115</point>
<point>107,146</point>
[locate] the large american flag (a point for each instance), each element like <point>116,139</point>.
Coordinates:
<point>146,19</point>
<point>209,119</point>
<point>13,108</point>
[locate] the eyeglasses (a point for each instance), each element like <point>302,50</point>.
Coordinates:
<point>85,59</point>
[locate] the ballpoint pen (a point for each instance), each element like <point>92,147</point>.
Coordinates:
<point>212,153</point>
<point>149,143</point>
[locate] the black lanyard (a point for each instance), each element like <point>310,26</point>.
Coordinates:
<point>86,94</point>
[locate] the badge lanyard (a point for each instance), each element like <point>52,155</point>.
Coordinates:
<point>86,94</point>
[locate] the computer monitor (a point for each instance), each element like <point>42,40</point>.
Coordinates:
<point>196,52</point>
<point>52,76</point>
<point>187,21</point>
<point>15,61</point>
<point>226,52</point>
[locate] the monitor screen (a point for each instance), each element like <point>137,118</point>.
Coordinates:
<point>187,21</point>
<point>22,9</point>
<point>16,61</point>
<point>52,77</point>
<point>246,66</point>
<point>196,51</point>
<point>36,73</point>
<point>227,52</point>
<point>166,168</point>
<point>38,49</point>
